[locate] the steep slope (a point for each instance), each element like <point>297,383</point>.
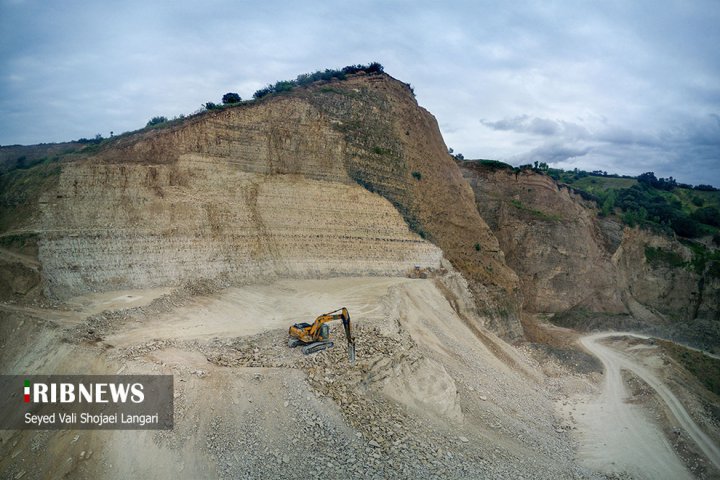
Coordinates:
<point>394,147</point>
<point>665,282</point>
<point>590,271</point>
<point>321,181</point>
<point>550,237</point>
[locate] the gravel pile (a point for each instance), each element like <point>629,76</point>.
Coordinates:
<point>335,423</point>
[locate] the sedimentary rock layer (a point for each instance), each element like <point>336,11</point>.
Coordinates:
<point>129,225</point>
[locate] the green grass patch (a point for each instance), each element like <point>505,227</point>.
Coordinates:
<point>694,199</point>
<point>659,257</point>
<point>595,184</point>
<point>703,367</point>
<point>381,151</point>
<point>496,164</point>
<point>704,259</point>
<point>540,215</point>
<point>648,202</point>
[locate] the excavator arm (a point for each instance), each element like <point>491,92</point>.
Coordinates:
<point>350,339</point>
<point>348,334</point>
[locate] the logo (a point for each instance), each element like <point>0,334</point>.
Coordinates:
<point>52,392</point>
<point>75,402</point>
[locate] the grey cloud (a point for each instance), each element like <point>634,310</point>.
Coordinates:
<point>538,126</point>
<point>682,157</point>
<point>552,153</point>
<point>621,84</point>
<point>626,136</point>
<point>682,150</point>
<point>696,131</point>
<point>525,124</point>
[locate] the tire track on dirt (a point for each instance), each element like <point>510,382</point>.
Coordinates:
<point>650,454</point>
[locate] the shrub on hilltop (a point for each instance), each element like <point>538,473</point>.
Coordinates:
<point>230,98</point>
<point>156,121</point>
<point>321,75</point>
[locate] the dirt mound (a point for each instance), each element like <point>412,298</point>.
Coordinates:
<point>422,385</point>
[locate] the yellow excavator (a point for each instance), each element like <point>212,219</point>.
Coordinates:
<point>315,337</point>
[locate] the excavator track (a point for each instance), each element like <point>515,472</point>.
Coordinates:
<point>317,347</point>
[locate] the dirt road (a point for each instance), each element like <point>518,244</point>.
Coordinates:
<point>617,436</point>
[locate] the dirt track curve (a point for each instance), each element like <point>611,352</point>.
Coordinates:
<point>636,444</point>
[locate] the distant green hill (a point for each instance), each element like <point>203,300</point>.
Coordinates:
<point>656,203</point>
<point>659,204</point>
<point>596,184</point>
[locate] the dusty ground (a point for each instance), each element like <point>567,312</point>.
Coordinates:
<point>433,394</point>
<point>427,397</point>
<point>638,425</point>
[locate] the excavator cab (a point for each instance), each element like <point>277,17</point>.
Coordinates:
<point>315,337</point>
<point>324,331</point>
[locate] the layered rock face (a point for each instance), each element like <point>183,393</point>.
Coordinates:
<point>121,226</point>
<point>550,238</point>
<point>663,283</point>
<point>346,178</point>
<point>244,196</point>
<point>605,276</point>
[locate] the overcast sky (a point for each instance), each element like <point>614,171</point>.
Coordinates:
<point>626,86</point>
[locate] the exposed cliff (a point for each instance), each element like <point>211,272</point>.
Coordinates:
<point>590,270</point>
<point>395,148</point>
<point>341,178</point>
<point>665,282</point>
<point>550,237</point>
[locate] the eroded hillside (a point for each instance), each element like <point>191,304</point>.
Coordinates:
<point>591,271</point>
<point>550,237</point>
